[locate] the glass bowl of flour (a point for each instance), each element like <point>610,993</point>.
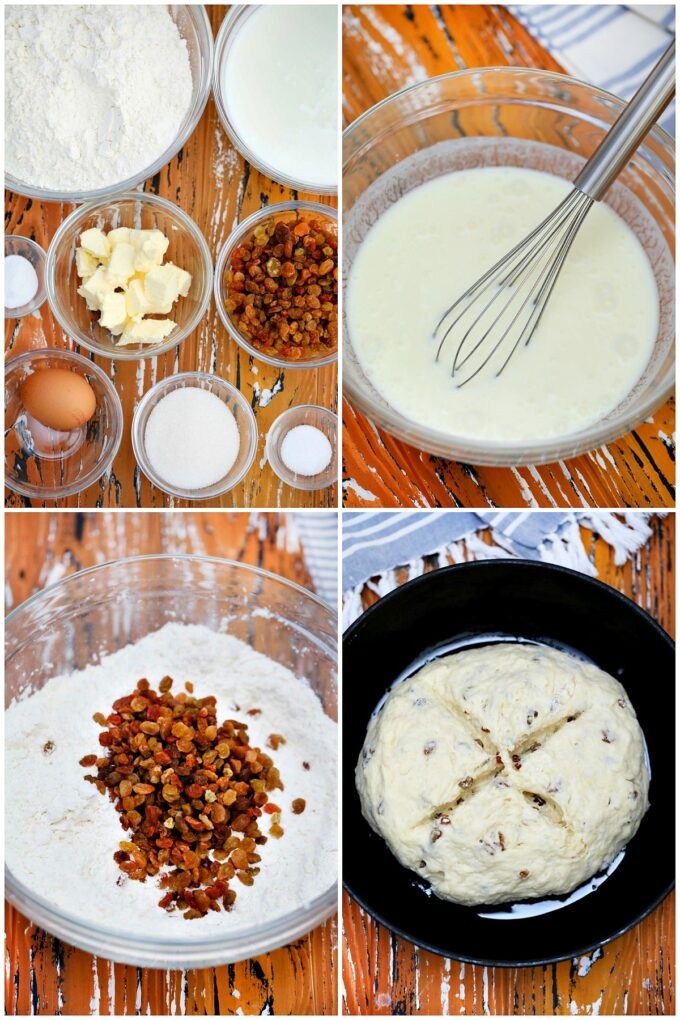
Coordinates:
<point>100,97</point>
<point>439,182</point>
<point>246,636</point>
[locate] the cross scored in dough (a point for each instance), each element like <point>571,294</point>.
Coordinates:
<point>505,772</point>
<point>505,763</point>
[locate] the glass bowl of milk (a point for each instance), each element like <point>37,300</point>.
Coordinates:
<point>275,84</point>
<point>439,182</point>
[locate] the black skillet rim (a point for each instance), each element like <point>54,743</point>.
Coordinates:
<point>557,569</point>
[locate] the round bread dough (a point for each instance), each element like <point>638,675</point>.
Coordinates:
<point>505,772</point>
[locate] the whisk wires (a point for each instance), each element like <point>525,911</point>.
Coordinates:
<point>506,303</point>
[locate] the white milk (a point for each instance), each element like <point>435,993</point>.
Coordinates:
<point>591,346</point>
<point>280,83</point>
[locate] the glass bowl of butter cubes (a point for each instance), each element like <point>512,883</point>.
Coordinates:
<point>129,277</point>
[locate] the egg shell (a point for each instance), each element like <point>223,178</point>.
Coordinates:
<point>58,398</point>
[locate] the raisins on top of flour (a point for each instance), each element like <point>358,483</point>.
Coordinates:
<point>189,793</point>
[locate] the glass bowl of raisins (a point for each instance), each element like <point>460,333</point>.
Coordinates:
<point>276,285</point>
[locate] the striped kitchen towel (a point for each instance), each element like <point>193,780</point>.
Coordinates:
<point>375,542</point>
<point>613,46</point>
<point>318,534</point>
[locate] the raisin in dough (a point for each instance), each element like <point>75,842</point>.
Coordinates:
<point>504,773</point>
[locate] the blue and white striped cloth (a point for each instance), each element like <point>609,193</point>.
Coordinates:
<point>613,46</point>
<point>318,531</point>
<point>374,542</point>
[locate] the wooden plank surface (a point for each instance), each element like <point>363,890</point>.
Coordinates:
<point>635,974</point>
<point>44,975</point>
<point>210,181</point>
<point>386,47</point>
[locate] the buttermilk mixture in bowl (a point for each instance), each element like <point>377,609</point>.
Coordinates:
<point>426,247</point>
<point>185,777</point>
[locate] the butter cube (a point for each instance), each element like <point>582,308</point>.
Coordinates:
<point>163,285</point>
<point>96,288</point>
<point>183,281</point>
<point>151,246</point>
<point>122,263</point>
<point>96,242</point>
<point>119,235</point>
<point>114,313</point>
<point>86,264</point>
<point>146,331</point>
<point>135,298</point>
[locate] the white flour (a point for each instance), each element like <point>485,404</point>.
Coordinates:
<point>94,93</point>
<point>61,833</point>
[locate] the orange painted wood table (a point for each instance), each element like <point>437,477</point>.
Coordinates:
<point>211,182</point>
<point>44,975</point>
<point>635,974</point>
<point>385,48</point>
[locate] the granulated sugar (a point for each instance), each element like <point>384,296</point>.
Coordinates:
<point>191,438</point>
<point>61,833</point>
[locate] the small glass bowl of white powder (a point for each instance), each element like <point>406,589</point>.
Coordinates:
<point>194,436</point>
<point>25,288</point>
<point>302,447</point>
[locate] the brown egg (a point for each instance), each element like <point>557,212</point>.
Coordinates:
<point>58,398</point>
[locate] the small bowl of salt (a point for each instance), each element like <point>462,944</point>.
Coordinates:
<point>302,447</point>
<point>25,289</point>
<point>194,436</point>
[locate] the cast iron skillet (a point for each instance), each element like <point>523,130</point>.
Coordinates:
<point>534,602</point>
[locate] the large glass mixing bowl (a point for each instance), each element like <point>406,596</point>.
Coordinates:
<point>489,115</point>
<point>95,612</point>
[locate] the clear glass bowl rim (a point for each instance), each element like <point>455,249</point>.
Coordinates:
<point>229,23</point>
<point>206,43</point>
<point>124,353</point>
<point>498,454</point>
<point>139,448</point>
<point>209,951</point>
<point>239,231</point>
<point>290,413</point>
<point>92,476</point>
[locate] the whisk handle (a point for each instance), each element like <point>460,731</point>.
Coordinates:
<point>628,131</point>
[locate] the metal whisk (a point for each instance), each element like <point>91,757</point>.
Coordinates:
<point>505,305</point>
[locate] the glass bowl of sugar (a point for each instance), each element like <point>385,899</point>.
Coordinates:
<point>302,447</point>
<point>194,436</point>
